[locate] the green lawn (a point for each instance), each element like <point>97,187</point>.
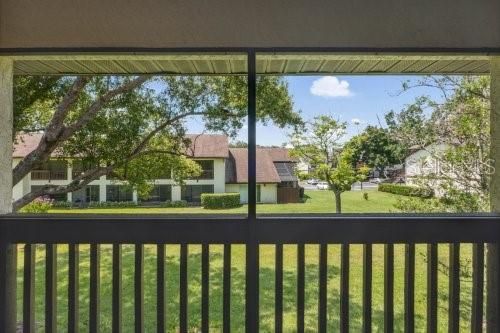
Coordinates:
<point>238,282</point>
<point>316,202</point>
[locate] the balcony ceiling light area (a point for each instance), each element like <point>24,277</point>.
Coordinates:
<point>271,64</point>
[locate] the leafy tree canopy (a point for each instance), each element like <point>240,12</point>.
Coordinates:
<point>134,128</point>
<point>375,148</point>
<point>320,143</point>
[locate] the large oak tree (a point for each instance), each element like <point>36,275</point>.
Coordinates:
<point>133,127</point>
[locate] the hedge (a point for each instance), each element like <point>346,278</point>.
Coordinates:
<point>112,204</point>
<point>410,191</point>
<point>220,200</point>
<point>62,204</point>
<point>175,204</point>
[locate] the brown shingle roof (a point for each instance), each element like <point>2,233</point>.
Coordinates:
<point>237,170</point>
<point>279,154</point>
<point>25,144</point>
<point>208,146</point>
<point>202,145</point>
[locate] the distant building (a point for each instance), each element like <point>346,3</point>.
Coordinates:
<point>224,170</point>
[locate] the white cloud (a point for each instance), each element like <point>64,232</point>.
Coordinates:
<point>330,86</point>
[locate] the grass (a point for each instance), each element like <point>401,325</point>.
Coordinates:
<point>316,202</point>
<point>238,283</point>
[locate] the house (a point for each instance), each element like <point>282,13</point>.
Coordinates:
<point>424,162</point>
<point>224,169</point>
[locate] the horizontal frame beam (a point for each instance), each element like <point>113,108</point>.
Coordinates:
<point>362,229</point>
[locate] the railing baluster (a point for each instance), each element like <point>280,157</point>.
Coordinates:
<point>73,288</point>
<point>344,288</point>
<point>160,288</point>
<point>323,251</point>
<point>367,288</point>
<point>454,289</point>
<point>139,288</point>
<point>300,287</point>
<point>205,284</point>
<point>51,288</point>
<point>183,292</point>
<point>278,289</point>
<point>94,311</point>
<point>409,289</point>
<point>389,288</point>
<point>117,289</point>
<point>432,257</point>
<point>477,287</point>
<point>29,289</point>
<point>226,294</point>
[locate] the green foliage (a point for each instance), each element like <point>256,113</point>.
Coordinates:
<point>175,204</point>
<point>141,133</point>
<point>375,148</point>
<point>303,175</point>
<point>409,191</point>
<point>365,196</point>
<point>319,143</point>
<point>220,200</point>
<point>461,123</point>
<point>37,206</point>
<point>109,204</point>
<point>62,204</point>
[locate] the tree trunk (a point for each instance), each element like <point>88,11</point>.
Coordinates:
<point>338,203</point>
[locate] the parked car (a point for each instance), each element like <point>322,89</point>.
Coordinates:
<point>377,180</point>
<point>312,181</point>
<point>322,186</point>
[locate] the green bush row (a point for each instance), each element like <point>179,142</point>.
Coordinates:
<point>175,204</point>
<point>220,200</point>
<point>110,204</point>
<point>62,204</point>
<point>37,206</point>
<point>409,191</point>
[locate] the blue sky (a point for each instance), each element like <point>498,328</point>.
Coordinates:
<point>345,97</point>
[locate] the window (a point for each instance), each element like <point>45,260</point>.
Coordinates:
<point>117,193</point>
<point>192,193</point>
<point>55,197</point>
<point>92,193</point>
<point>207,167</point>
<point>159,193</point>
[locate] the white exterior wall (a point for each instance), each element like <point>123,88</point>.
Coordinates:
<point>24,186</point>
<point>238,188</point>
<point>422,162</point>
<point>268,192</point>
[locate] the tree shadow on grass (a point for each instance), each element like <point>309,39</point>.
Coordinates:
<point>237,310</point>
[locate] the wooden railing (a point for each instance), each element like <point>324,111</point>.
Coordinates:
<point>30,233</point>
<point>49,175</point>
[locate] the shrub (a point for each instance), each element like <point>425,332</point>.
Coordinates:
<point>62,204</point>
<point>409,191</point>
<point>220,200</point>
<point>302,175</point>
<point>175,204</point>
<point>37,206</point>
<point>109,204</point>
